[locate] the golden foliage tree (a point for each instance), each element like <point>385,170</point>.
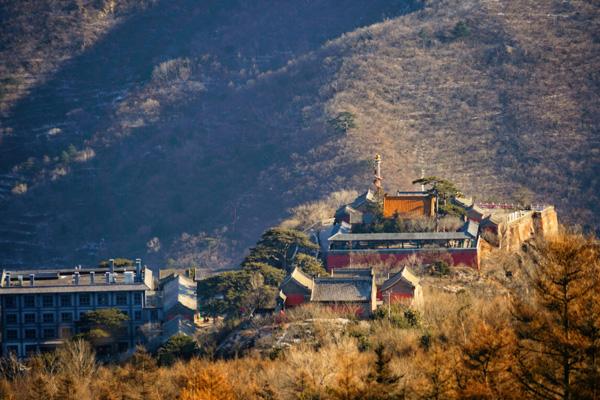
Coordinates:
<point>485,363</point>
<point>210,382</point>
<point>557,321</point>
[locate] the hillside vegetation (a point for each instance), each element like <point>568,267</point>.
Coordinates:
<point>186,129</point>
<point>529,335</point>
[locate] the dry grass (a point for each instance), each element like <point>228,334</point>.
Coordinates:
<point>513,104</point>
<point>466,346</point>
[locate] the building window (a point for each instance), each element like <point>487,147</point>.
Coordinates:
<point>29,301</point>
<point>121,299</point>
<point>137,299</point>
<point>30,349</point>
<point>66,332</point>
<point>102,299</point>
<point>65,300</point>
<point>12,334</point>
<point>48,318</point>
<point>11,318</point>
<point>122,347</point>
<point>12,350</point>
<point>84,300</point>
<point>137,315</point>
<point>48,300</point>
<point>30,334</point>
<point>66,317</point>
<point>10,302</point>
<point>49,333</point>
<point>29,318</point>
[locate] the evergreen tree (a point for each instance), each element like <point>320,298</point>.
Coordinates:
<point>309,265</point>
<point>382,383</point>
<point>279,246</point>
<point>272,276</point>
<point>142,369</point>
<point>177,347</point>
<point>445,191</point>
<point>102,327</point>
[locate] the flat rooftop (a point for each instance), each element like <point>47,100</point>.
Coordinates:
<point>404,236</point>
<point>400,193</point>
<point>64,281</point>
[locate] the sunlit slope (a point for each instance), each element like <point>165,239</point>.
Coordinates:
<point>243,122</point>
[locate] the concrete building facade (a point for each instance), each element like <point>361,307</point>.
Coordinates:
<point>41,309</point>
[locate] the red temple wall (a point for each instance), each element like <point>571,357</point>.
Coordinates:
<point>339,259</point>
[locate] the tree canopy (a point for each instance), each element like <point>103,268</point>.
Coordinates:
<point>177,347</point>
<point>240,293</point>
<point>102,327</point>
<point>557,320</point>
<point>279,246</point>
<point>445,191</point>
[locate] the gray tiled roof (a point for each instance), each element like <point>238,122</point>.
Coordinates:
<point>403,275</point>
<point>472,228</point>
<point>367,196</point>
<point>300,277</point>
<point>347,237</point>
<point>342,227</point>
<point>342,290</point>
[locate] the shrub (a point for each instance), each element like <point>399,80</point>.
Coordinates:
<point>343,122</point>
<point>399,316</point>
<point>425,341</point>
<point>439,268</point>
<point>461,30</point>
<point>19,188</point>
<point>179,69</point>
<point>177,347</point>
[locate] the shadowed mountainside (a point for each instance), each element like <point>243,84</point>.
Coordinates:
<point>213,119</point>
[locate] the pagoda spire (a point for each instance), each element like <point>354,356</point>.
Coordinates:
<point>377,178</point>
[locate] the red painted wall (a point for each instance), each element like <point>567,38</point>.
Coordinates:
<point>340,259</point>
<point>294,300</point>
<point>395,296</point>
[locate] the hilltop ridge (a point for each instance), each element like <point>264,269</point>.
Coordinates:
<point>217,135</point>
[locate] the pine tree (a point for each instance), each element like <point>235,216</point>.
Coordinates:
<point>558,321</point>
<point>485,361</point>
<point>142,368</point>
<point>382,383</point>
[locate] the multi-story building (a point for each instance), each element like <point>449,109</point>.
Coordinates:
<point>41,308</point>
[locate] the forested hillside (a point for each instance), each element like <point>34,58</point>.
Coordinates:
<point>181,130</point>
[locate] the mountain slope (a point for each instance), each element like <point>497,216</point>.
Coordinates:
<point>214,119</point>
